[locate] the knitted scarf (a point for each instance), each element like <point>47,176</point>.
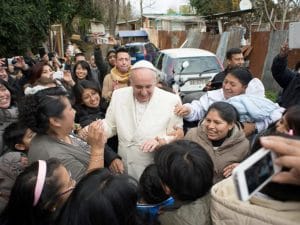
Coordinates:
<point>120,77</point>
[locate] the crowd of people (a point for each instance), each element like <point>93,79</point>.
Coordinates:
<point>103,142</point>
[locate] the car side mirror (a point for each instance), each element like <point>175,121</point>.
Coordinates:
<point>185,64</point>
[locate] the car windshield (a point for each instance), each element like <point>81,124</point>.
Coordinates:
<point>196,65</point>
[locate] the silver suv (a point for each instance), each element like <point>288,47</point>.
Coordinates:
<point>189,69</point>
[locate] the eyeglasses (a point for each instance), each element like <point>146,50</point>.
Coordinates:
<point>71,188</point>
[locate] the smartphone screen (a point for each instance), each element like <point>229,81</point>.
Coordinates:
<point>259,172</point>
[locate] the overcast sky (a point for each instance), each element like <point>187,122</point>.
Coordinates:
<point>161,6</point>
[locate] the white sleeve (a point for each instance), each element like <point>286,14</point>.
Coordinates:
<point>197,108</point>
<point>174,121</point>
<point>109,122</point>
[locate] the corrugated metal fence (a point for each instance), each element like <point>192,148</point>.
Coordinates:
<point>265,46</point>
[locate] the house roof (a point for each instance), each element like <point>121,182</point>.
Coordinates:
<point>187,18</point>
<point>132,33</point>
<point>229,14</point>
<point>177,18</point>
<point>129,21</point>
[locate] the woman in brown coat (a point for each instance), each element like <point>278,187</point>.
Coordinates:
<point>221,135</point>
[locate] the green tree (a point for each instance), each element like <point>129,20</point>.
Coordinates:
<point>208,7</point>
<point>19,26</point>
<point>171,11</point>
<point>185,9</point>
<point>25,24</point>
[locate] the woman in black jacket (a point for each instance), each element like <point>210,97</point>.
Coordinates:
<point>88,103</point>
<point>89,107</point>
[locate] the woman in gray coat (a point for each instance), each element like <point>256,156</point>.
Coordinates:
<point>50,114</point>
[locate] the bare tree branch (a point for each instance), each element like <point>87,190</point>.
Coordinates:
<point>295,2</point>
<point>150,3</point>
<point>268,16</point>
<point>285,7</point>
<point>142,7</point>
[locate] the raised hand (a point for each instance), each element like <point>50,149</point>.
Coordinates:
<point>284,50</point>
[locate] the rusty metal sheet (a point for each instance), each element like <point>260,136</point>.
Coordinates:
<point>162,39</point>
<point>274,43</point>
<point>276,40</point>
<point>247,50</point>
<point>259,42</point>
<point>235,37</point>
<point>171,39</point>
<point>293,58</point>
<point>266,45</point>
<point>228,39</point>
<point>177,38</point>
<point>193,39</point>
<point>210,42</point>
<point>203,40</point>
<point>153,36</point>
<point>222,48</point>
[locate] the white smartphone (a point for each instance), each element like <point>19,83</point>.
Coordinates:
<point>254,173</point>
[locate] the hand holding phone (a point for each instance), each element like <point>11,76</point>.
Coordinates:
<point>19,62</point>
<point>288,149</point>
<point>58,75</point>
<point>254,173</point>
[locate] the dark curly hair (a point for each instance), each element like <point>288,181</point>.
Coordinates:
<point>35,110</point>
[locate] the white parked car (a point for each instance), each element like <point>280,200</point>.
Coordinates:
<point>188,69</point>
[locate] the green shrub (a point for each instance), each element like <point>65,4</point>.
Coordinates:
<point>272,95</point>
